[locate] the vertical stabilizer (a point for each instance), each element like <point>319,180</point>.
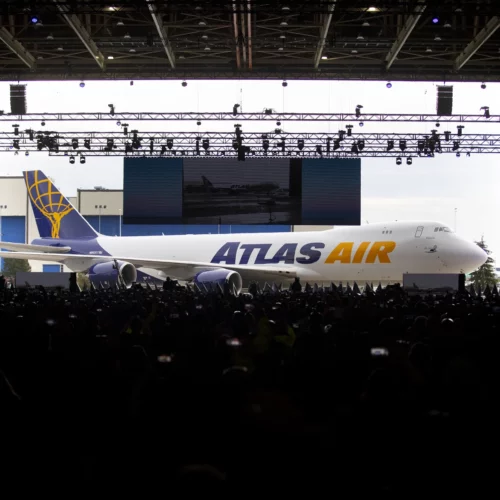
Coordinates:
<point>55,216</point>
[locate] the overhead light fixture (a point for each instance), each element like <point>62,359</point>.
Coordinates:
<point>82,84</point>
<point>35,19</point>
<point>428,50</point>
<point>60,49</point>
<point>50,36</point>
<point>399,161</point>
<point>483,85</point>
<point>435,19</point>
<point>82,160</point>
<point>366,24</point>
<point>373,9</point>
<point>409,160</point>
<point>437,38</point>
<point>132,51</point>
<point>285,7</point>
<point>283,23</point>
<point>360,37</point>
<point>202,23</point>
<point>388,85</point>
<point>207,48</point>
<point>324,58</point>
<point>354,51</point>
<point>120,23</point>
<point>127,36</point>
<point>447,24</point>
<point>110,57</point>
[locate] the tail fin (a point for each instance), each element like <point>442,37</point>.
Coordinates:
<point>55,216</point>
<point>206,182</point>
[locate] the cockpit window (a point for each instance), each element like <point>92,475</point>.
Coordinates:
<point>447,230</point>
<point>443,229</point>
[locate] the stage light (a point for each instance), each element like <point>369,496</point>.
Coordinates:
<point>170,143</point>
<point>354,148</point>
<point>319,150</point>
<point>235,109</point>
<point>459,129</point>
<point>35,19</point>
<point>388,85</point>
<point>409,161</point>
<point>163,150</point>
<point>82,160</point>
<point>483,86</point>
<point>447,135</point>
<point>86,143</point>
<point>184,83</point>
<point>16,129</point>
<point>486,110</point>
<point>300,144</point>
<point>361,144</point>
<point>456,145</point>
<point>358,110</point>
<point>402,145</point>
<point>336,144</point>
<point>206,144</point>
<point>74,143</point>
<point>111,109</point>
<point>349,131</point>
<point>82,84</point>
<point>16,143</point>
<point>265,145</point>
<point>435,19</point>
<point>72,160</point>
<point>151,145</point>
<point>285,83</point>
<point>390,145</point>
<point>399,161</point>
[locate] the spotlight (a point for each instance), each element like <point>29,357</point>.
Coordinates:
<point>43,124</point>
<point>409,160</point>
<point>319,150</point>
<point>16,129</point>
<point>31,134</point>
<point>402,145</point>
<point>435,19</point>
<point>74,143</point>
<point>486,110</point>
<point>86,143</point>
<point>388,85</point>
<point>390,145</point>
<point>458,154</point>
<point>349,131</point>
<point>72,160</point>
<point>205,144</point>
<point>184,83</point>
<point>265,145</point>
<point>151,145</point>
<point>27,153</point>
<point>235,109</point>
<point>131,83</point>
<point>447,135</point>
<point>163,150</point>
<point>483,86</point>
<point>399,161</point>
<point>111,109</point>
<point>285,83</point>
<point>358,110</point>
<point>336,144</point>
<point>170,143</point>
<point>456,145</point>
<point>354,149</point>
<point>118,124</point>
<point>459,129</point>
<point>361,144</point>
<point>198,123</point>
<point>109,144</point>
<point>300,144</point>
<point>278,123</point>
<point>82,84</point>
<point>82,160</point>
<point>361,124</point>
<point>16,143</point>
<point>35,19</point>
<point>438,124</point>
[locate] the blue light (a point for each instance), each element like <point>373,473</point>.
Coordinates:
<point>435,19</point>
<point>388,85</point>
<point>82,84</point>
<point>34,20</point>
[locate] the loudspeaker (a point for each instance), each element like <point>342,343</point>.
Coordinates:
<point>18,99</point>
<point>444,100</point>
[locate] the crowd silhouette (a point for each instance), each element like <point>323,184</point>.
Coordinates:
<point>373,392</point>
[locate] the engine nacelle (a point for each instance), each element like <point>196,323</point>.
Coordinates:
<point>221,277</point>
<point>107,273</point>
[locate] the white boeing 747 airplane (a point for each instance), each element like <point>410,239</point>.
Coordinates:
<point>372,253</point>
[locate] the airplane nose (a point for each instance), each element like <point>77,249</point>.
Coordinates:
<point>478,256</point>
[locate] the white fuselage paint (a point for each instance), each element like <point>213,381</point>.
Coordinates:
<point>415,251</point>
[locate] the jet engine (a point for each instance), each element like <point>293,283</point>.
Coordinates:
<point>107,273</point>
<point>221,277</point>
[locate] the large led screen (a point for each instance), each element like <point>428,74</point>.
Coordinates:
<point>258,191</point>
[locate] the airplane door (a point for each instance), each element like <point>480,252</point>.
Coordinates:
<point>419,231</point>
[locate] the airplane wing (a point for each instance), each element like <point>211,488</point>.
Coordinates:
<point>23,247</point>
<point>84,262</point>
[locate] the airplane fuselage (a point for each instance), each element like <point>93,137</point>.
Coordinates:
<point>377,252</point>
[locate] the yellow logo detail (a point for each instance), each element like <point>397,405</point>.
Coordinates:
<point>50,203</point>
<point>343,252</point>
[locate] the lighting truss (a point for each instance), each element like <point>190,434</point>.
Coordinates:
<point>260,116</point>
<point>225,144</point>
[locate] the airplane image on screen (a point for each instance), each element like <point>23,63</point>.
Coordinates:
<point>206,186</point>
<point>371,253</point>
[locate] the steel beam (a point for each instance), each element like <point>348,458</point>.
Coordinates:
<point>17,48</point>
<point>482,37</point>
<point>324,33</point>
<point>75,24</point>
<point>162,32</point>
<point>403,35</point>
